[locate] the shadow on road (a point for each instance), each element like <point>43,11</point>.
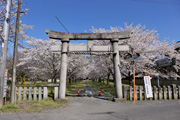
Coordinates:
<point>94,96</point>
<point>111,113</point>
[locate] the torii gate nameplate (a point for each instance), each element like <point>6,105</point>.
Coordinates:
<point>57,48</point>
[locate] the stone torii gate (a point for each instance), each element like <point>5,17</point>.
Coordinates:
<point>114,49</point>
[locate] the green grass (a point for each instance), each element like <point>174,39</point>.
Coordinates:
<point>29,110</point>
<point>9,108</point>
<point>47,103</point>
<point>73,88</point>
<point>33,106</point>
<point>34,85</point>
<point>108,88</point>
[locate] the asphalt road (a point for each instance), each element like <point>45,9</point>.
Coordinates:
<point>90,108</point>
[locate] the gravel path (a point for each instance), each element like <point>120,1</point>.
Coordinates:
<point>95,91</point>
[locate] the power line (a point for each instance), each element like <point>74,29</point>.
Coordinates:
<point>43,1</point>
<point>61,24</point>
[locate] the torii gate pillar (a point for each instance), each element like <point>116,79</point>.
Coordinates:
<point>63,71</point>
<point>117,74</point>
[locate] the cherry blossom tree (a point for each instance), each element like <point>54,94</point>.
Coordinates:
<point>147,44</point>
<point>22,29</point>
<point>40,62</point>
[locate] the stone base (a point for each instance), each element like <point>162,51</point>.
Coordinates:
<point>119,99</point>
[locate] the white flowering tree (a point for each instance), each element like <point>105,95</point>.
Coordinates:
<point>38,60</point>
<point>144,42</point>
<point>22,29</point>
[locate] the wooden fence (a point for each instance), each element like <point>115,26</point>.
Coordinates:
<point>140,81</point>
<point>159,93</point>
<point>25,93</point>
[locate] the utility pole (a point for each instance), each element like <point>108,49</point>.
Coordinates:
<point>4,48</point>
<point>134,87</point>
<point>13,99</point>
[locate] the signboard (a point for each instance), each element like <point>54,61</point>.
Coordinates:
<point>166,62</point>
<point>5,84</point>
<point>147,83</point>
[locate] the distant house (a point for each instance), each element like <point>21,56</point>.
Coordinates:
<point>177,46</point>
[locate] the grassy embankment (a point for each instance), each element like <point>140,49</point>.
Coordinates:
<point>33,106</point>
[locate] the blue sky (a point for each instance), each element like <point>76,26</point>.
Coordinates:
<point>81,15</point>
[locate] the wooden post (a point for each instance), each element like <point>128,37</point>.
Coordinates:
<point>169,93</point>
<point>140,92</point>
<point>17,91</point>
<point>164,92</point>
<point>130,92</point>
<point>30,94</point>
<point>135,93</point>
<point>55,93</point>
<point>174,91</point>
<point>160,92</point>
<point>40,94</point>
<point>45,93</point>
<point>19,94</point>
<point>35,94</point>
<point>155,93</point>
<point>24,94</point>
<point>125,92</point>
<point>15,53</point>
<point>144,93</point>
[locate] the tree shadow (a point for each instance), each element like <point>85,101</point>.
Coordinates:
<point>90,96</point>
<point>111,113</point>
<point>102,98</point>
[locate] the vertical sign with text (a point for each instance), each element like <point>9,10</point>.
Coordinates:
<point>148,88</point>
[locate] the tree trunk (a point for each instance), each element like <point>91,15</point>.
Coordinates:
<point>74,79</point>
<point>55,80</point>
<point>99,80</point>
<point>108,79</point>
<point>70,81</point>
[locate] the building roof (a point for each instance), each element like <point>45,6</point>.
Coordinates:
<point>177,45</point>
